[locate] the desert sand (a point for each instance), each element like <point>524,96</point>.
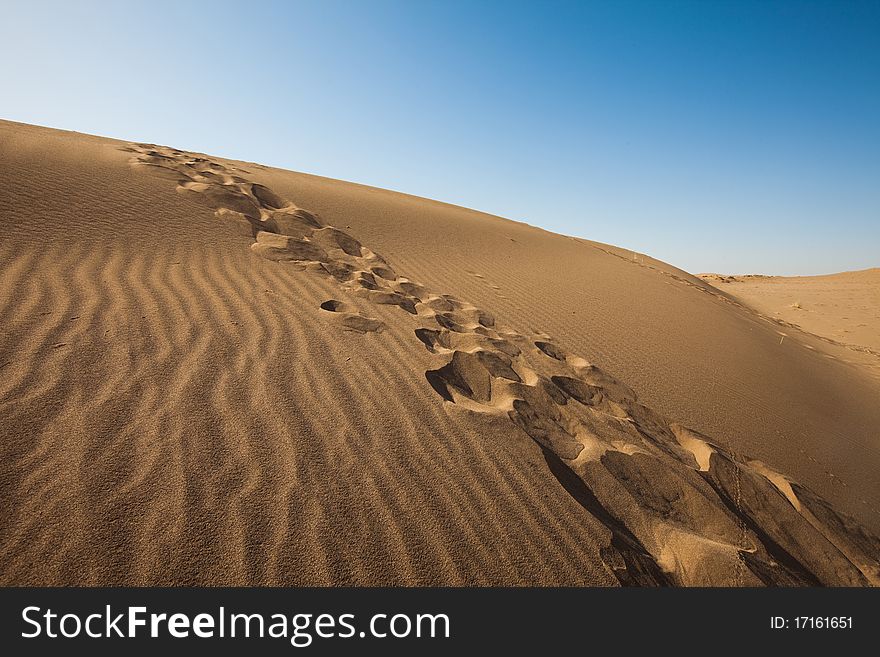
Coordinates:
<point>843,309</point>
<point>215,372</point>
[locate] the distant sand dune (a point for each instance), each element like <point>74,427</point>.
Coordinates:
<point>205,383</point>
<point>841,309</point>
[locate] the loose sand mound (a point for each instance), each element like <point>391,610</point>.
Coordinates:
<point>211,375</point>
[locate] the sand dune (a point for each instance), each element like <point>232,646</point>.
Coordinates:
<point>843,309</point>
<point>220,373</point>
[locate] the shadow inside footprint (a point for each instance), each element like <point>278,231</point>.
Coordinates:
<point>551,350</point>
<point>465,373</point>
<point>350,320</point>
<point>332,305</point>
<point>625,556</point>
<point>431,339</point>
<point>361,324</point>
<point>266,197</point>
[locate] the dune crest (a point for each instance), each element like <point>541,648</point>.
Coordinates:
<point>680,509</point>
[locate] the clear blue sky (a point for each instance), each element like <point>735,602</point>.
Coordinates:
<point>718,136</point>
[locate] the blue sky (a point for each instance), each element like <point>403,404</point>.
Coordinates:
<point>738,137</point>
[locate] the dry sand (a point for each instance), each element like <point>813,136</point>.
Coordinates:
<point>214,372</point>
<point>843,309</point>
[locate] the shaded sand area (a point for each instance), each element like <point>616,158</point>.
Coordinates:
<point>843,309</point>
<point>214,372</point>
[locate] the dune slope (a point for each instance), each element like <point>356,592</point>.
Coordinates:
<point>212,376</point>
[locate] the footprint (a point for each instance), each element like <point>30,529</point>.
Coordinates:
<point>465,373</point>
<point>295,223</point>
<point>498,365</point>
<point>450,322</point>
<point>333,305</point>
<point>350,320</point>
<point>267,198</point>
<point>551,350</point>
<point>432,339</point>
<point>283,247</point>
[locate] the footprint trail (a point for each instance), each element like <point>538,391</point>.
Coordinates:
<point>680,509</point>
